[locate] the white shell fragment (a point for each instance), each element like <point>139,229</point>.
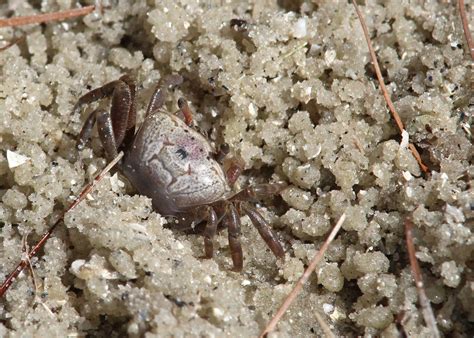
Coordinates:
<point>77,265</point>
<point>407,175</point>
<point>328,308</point>
<point>93,269</point>
<point>405,139</point>
<point>115,183</point>
<point>330,56</point>
<point>299,29</point>
<point>455,214</point>
<point>15,159</point>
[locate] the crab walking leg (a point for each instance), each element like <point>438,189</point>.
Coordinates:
<point>158,97</point>
<point>99,93</point>
<point>132,112</point>
<point>106,134</point>
<point>264,230</point>
<point>86,130</point>
<point>156,101</point>
<point>222,152</point>
<point>119,111</point>
<point>116,126</point>
<point>259,190</point>
<point>232,222</point>
<point>233,169</point>
<point>209,233</point>
<point>95,95</point>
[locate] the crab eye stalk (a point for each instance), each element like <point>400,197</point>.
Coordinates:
<point>185,110</point>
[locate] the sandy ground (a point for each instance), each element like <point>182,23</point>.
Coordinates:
<point>290,87</point>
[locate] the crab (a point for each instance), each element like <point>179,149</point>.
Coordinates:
<point>168,160</point>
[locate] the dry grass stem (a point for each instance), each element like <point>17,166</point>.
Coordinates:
<point>415,268</point>
<point>12,43</point>
<point>33,278</point>
<point>385,93</point>
<point>40,18</point>
<point>303,279</point>
<point>324,326</point>
<point>26,261</point>
<point>465,26</point>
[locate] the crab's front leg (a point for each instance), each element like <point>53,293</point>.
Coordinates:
<point>158,97</point>
<point>105,129</point>
<point>116,128</point>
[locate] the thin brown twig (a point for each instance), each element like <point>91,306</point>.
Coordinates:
<point>12,43</point>
<point>465,26</point>
<point>415,269</point>
<point>86,190</point>
<point>385,93</point>
<point>324,326</point>
<point>307,273</point>
<point>46,17</point>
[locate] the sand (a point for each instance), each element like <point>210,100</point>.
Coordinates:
<point>290,87</point>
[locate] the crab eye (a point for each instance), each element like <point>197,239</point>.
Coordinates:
<point>182,153</point>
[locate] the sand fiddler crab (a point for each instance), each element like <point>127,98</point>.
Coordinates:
<point>169,161</point>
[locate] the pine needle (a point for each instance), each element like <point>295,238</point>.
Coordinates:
<point>303,279</point>
<point>426,309</point>
<point>385,93</point>
<point>46,17</point>
<point>465,26</point>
